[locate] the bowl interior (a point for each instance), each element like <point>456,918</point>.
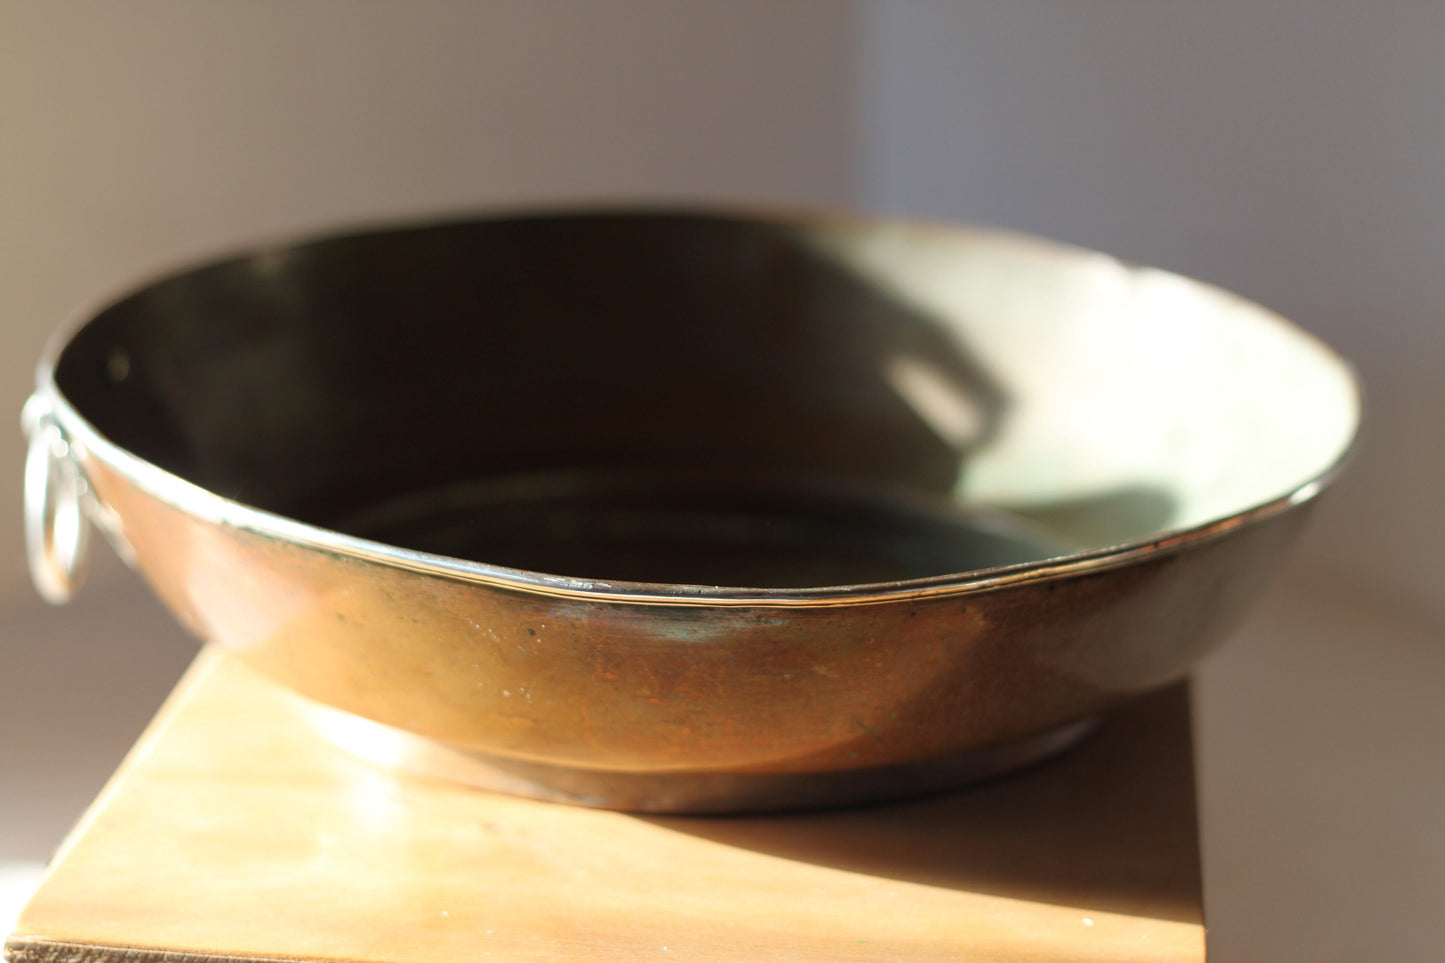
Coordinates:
<point>714,400</point>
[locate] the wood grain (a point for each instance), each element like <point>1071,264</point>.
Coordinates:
<point>233,832</point>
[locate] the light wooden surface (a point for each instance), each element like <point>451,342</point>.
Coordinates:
<point>233,831</point>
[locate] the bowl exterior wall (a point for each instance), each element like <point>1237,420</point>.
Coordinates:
<point>628,686</point>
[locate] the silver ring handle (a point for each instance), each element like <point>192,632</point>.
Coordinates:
<point>57,529</point>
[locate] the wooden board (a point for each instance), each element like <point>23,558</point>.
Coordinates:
<point>234,832</point>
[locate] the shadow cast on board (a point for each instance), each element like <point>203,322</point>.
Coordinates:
<point>1110,826</point>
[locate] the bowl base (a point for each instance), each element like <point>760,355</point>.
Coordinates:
<point>682,791</point>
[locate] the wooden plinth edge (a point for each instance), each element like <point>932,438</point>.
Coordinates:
<point>233,832</point>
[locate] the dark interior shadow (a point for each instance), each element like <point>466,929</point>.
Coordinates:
<point>336,379</point>
<point>314,379</point>
<point>330,379</point>
<point>1110,826</point>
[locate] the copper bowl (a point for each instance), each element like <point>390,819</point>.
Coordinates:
<point>690,510</point>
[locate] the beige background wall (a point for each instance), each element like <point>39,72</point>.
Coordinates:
<point>1293,152</point>
<point>135,135</point>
